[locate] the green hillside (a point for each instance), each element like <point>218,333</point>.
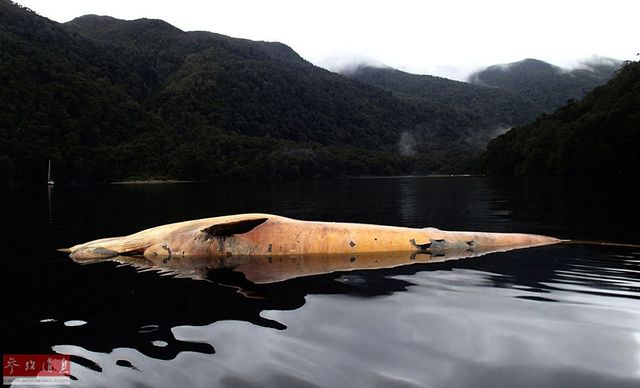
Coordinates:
<point>598,135</point>
<point>545,85</point>
<point>63,98</point>
<point>264,88</point>
<point>107,99</point>
<point>158,102</point>
<point>480,112</point>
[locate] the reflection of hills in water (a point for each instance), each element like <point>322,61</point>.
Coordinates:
<point>271,269</point>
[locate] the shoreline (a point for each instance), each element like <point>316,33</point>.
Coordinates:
<point>150,182</point>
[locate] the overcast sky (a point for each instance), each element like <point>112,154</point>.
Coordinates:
<point>447,38</point>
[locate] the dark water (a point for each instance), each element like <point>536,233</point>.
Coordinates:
<point>557,316</point>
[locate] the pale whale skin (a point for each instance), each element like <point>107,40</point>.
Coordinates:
<point>270,235</point>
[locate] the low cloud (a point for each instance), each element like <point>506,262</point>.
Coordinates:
<point>349,63</point>
<point>481,138</point>
<point>407,144</point>
<point>595,62</point>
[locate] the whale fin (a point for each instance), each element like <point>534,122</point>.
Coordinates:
<point>234,227</point>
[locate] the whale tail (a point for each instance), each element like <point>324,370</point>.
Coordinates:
<point>452,240</point>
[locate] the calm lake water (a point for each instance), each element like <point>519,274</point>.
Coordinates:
<point>556,316</point>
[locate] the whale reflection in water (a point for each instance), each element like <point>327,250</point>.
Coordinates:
<point>271,269</point>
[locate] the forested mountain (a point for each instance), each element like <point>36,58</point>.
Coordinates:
<point>481,110</point>
<point>546,85</point>
<point>246,87</point>
<point>598,135</point>
<point>107,99</point>
<point>64,98</point>
<point>259,88</point>
<point>160,102</point>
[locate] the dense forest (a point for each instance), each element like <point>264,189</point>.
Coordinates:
<point>502,95</point>
<point>167,104</point>
<point>480,113</point>
<point>598,135</point>
<point>107,99</point>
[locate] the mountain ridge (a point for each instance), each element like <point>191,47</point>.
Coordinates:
<point>597,135</point>
<point>108,99</point>
<point>549,86</point>
<point>506,107</point>
<point>105,112</point>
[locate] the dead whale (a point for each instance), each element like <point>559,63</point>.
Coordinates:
<point>270,235</point>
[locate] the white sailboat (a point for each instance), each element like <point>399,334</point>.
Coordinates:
<point>50,181</point>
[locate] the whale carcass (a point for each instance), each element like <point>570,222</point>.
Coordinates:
<point>271,235</point>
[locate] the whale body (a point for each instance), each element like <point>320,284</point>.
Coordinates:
<point>259,234</point>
